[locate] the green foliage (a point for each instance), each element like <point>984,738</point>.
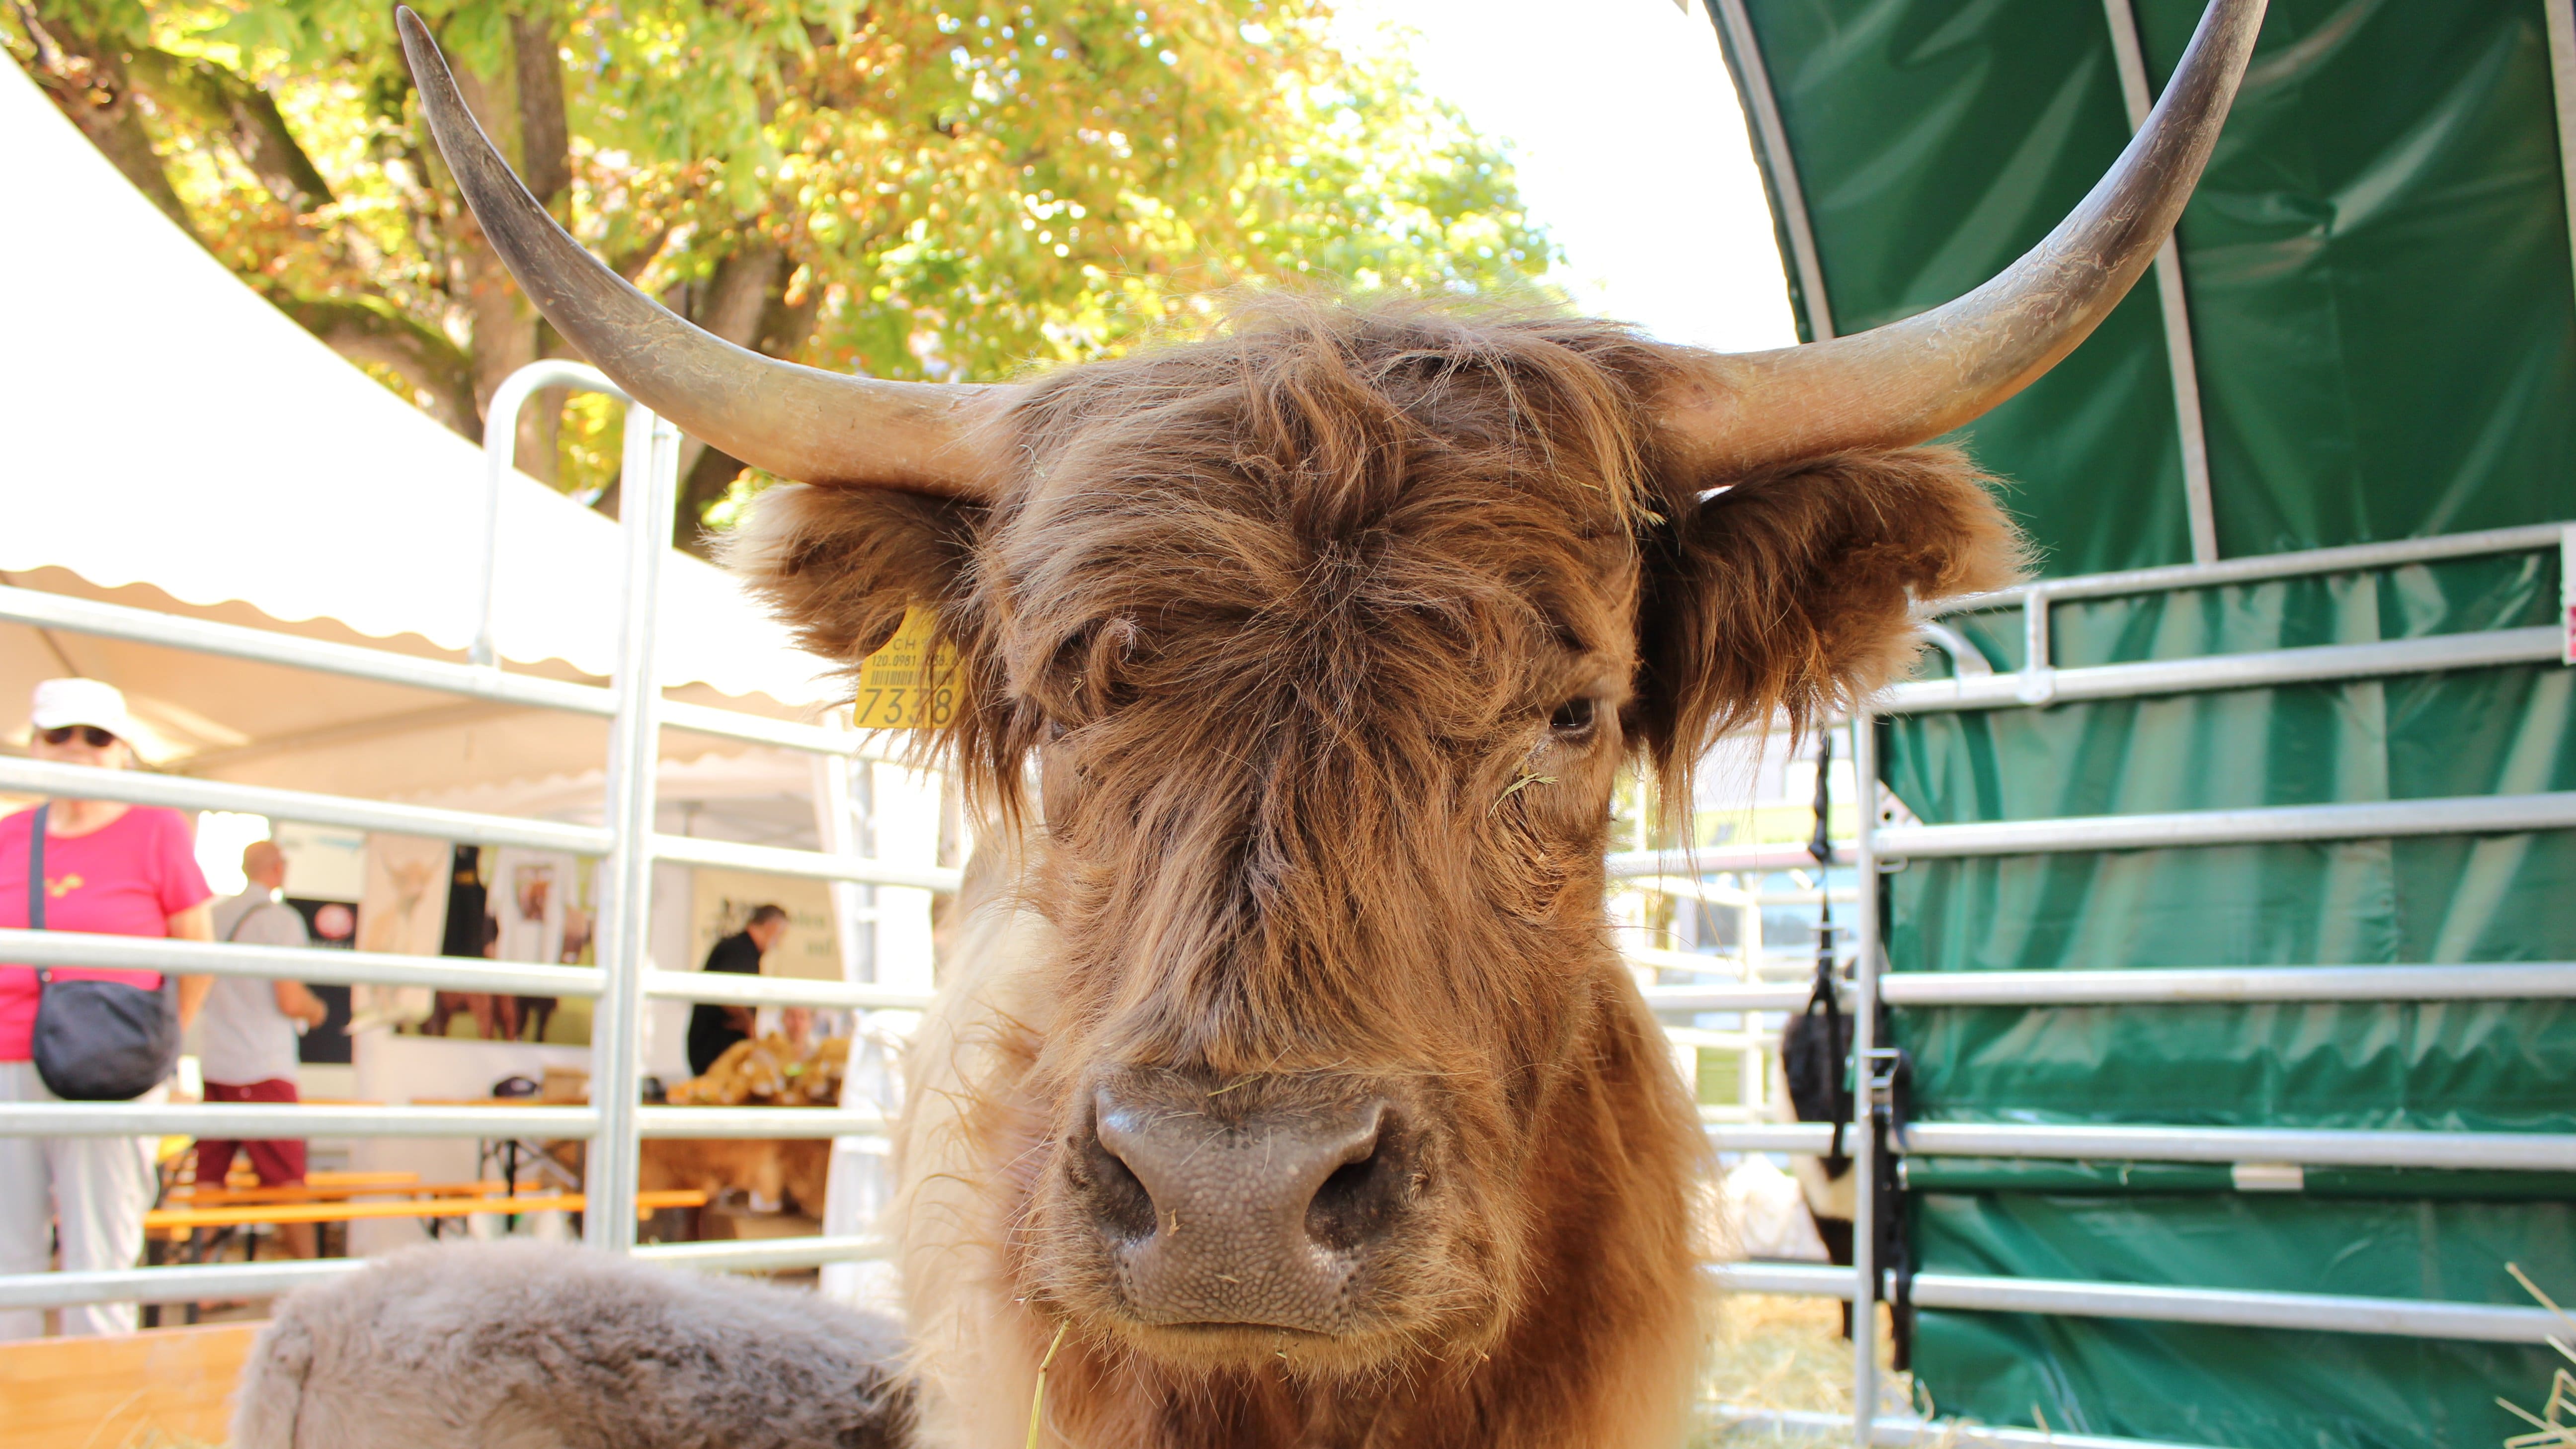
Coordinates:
<point>958,187</point>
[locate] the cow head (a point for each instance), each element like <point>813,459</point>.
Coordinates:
<point>1309,653</point>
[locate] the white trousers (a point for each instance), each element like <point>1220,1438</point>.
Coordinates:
<point>93,1190</point>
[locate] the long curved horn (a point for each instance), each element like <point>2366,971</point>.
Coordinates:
<point>1897,385</point>
<point>797,422</point>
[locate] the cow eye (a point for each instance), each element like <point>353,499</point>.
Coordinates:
<point>1574,717</point>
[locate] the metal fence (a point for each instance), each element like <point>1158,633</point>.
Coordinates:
<point>615,1119</point>
<point>2269,1152</point>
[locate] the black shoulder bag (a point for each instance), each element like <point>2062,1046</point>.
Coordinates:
<point>96,1041</point>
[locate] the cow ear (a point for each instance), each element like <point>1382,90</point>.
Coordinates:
<point>1788,593</point>
<point>841,565</point>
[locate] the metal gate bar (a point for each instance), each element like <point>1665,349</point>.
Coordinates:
<point>2239,1308</point>
<point>1900,1433</point>
<point>2260,568</point>
<point>2305,1147</point>
<point>2468,981</point>
<point>260,1121</point>
<point>2311,664</point>
<point>380,968</point>
<point>2369,820</point>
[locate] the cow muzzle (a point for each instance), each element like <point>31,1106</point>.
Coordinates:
<point>1219,1215</point>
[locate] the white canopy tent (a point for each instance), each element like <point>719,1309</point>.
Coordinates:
<point>179,445</point>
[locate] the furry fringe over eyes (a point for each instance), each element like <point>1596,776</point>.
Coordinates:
<point>1785,593</point>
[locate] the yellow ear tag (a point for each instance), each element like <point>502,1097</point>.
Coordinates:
<point>903,686</point>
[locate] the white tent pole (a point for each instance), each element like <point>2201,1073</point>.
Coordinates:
<point>2131,61</point>
<point>1763,107</point>
<point>2562,83</point>
<point>500,455</point>
<point>626,904</point>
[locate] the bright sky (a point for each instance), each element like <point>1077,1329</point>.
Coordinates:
<point>1630,146</point>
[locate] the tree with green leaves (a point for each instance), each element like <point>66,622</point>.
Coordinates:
<point>945,189</point>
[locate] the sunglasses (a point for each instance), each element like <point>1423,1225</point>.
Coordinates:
<point>92,735</point>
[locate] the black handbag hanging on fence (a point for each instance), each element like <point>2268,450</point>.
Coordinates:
<point>1815,1052</point>
<point>96,1041</point>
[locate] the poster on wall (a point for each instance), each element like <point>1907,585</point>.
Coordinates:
<point>722,900</point>
<point>402,908</point>
<point>404,902</point>
<point>534,906</point>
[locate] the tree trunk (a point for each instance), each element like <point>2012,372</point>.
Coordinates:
<point>247,115</point>
<point>87,80</point>
<point>545,132</point>
<point>372,330</point>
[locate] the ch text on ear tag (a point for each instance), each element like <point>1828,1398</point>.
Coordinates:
<point>905,685</point>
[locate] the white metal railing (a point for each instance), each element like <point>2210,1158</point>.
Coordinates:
<point>2467,982</point>
<point>195,1283</point>
<point>2039,682</point>
<point>2241,1308</point>
<point>616,1119</point>
<point>2366,820</point>
<point>2294,1146</point>
<point>132,787</point>
<point>44,777</point>
<point>1881,847</point>
<point>1895,1432</point>
<point>453,973</point>
<point>2264,568</point>
<point>2539,644</point>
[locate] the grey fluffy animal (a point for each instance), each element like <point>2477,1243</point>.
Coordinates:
<point>544,1346</point>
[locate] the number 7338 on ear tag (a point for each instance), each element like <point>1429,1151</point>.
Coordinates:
<point>905,685</point>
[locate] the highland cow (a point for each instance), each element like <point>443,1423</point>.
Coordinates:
<point>1286,1087</point>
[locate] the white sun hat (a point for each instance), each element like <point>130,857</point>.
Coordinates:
<point>61,702</point>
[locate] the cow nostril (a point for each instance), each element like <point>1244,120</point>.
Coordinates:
<point>1118,1199</point>
<point>1357,1202</point>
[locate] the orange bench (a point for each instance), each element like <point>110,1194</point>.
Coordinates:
<point>308,1192</point>
<point>186,1219</point>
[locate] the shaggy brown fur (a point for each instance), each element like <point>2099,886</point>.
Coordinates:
<point>1327,638</point>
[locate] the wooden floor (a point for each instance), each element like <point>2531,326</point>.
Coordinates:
<point>165,1388</point>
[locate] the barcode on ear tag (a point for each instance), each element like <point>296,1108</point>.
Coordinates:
<point>904,686</point>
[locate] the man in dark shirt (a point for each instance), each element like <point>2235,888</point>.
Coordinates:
<point>713,1029</point>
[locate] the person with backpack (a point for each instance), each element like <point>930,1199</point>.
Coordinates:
<point>81,1034</point>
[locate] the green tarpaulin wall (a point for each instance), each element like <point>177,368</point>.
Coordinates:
<point>2378,278</point>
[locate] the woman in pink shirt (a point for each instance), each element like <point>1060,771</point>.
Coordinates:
<point>119,870</point>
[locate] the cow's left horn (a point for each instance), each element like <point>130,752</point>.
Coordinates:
<point>1900,384</point>
<point>797,422</point>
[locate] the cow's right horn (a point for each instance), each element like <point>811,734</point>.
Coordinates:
<point>797,422</point>
<point>1902,383</point>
